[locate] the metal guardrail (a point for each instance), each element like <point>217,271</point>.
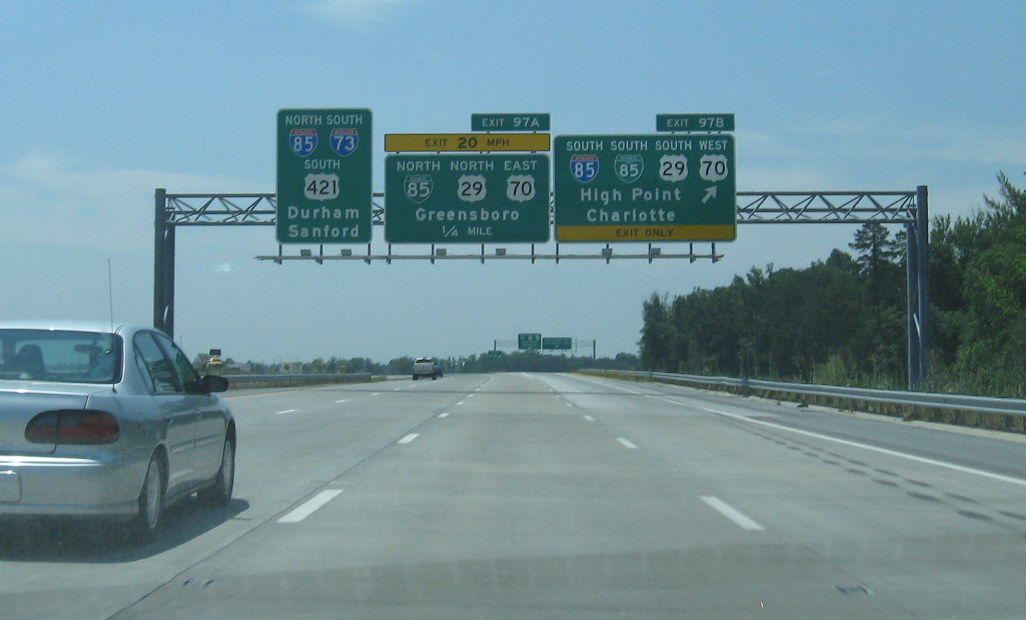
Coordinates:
<point>951,402</point>
<point>289,380</point>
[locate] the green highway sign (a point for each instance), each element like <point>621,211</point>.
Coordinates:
<point>324,176</point>
<point>695,122</point>
<point>557,343</point>
<point>529,341</point>
<point>509,122</point>
<point>645,188</point>
<point>494,198</point>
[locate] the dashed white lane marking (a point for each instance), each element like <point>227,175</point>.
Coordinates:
<point>444,415</point>
<point>283,412</point>
<point>855,444</point>
<point>622,389</point>
<point>409,438</point>
<point>731,513</point>
<point>311,505</point>
<point>342,400</point>
<point>588,418</point>
<point>626,443</point>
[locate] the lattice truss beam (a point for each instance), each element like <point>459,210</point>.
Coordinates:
<point>853,207</point>
<point>826,207</point>
<point>232,210</point>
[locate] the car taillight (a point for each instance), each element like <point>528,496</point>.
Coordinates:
<point>73,426</point>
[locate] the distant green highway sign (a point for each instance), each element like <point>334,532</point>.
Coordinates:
<point>324,176</point>
<point>529,341</point>
<point>467,198</point>
<point>557,343</point>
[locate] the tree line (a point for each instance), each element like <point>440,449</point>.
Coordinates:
<point>842,320</point>
<point>489,361</point>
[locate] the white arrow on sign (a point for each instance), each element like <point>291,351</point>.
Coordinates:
<point>710,192</point>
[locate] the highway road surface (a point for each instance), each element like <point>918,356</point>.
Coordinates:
<point>558,496</point>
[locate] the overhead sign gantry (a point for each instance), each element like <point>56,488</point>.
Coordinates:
<point>303,137</point>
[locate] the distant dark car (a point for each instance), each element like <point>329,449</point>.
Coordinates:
<point>439,370</point>
<point>108,422</point>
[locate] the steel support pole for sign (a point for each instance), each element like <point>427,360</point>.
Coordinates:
<point>163,266</point>
<point>918,293</point>
<point>922,285</point>
<point>923,217</point>
<point>912,303</point>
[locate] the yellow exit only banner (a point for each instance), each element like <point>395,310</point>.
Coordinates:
<point>707,232</point>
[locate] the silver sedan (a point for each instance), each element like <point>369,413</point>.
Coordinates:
<point>108,421</point>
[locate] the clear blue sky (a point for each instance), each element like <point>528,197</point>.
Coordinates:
<point>105,101</point>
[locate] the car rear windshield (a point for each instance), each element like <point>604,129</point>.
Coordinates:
<point>59,356</point>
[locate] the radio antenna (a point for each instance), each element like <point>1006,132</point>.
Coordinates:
<point>110,301</point>
<point>110,295</point>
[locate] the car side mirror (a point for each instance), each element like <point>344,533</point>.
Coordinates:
<point>207,384</point>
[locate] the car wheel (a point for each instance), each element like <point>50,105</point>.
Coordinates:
<point>220,494</point>
<point>146,525</point>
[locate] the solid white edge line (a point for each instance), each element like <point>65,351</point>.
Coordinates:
<point>626,443</point>
<point>855,444</point>
<point>731,513</point>
<point>409,438</point>
<point>308,508</point>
